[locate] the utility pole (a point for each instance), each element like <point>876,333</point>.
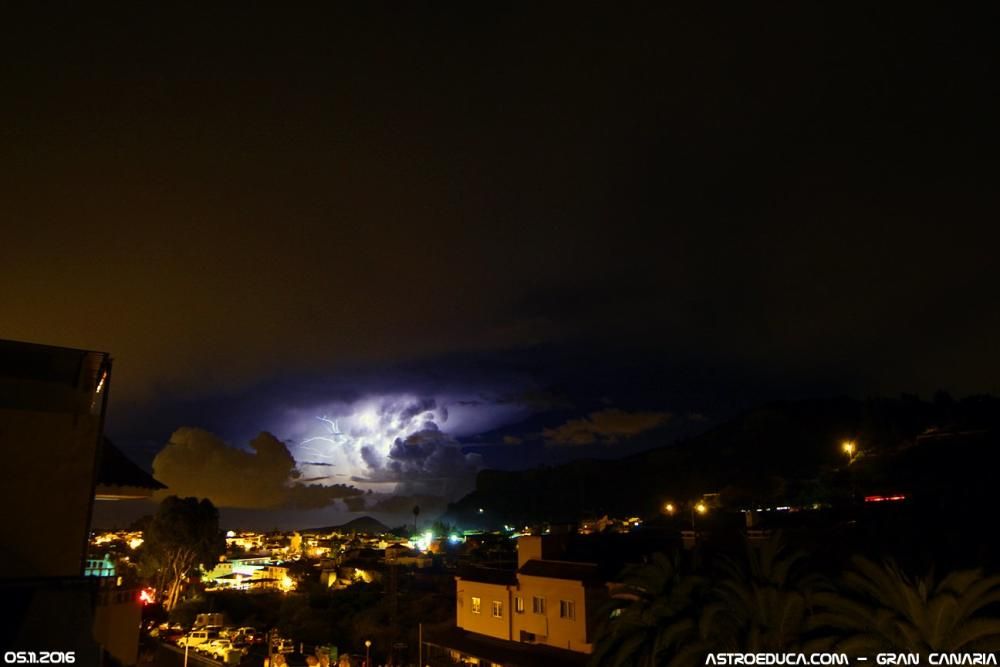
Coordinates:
<point>420,645</point>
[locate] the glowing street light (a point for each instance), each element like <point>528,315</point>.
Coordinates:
<point>669,508</point>
<point>368,646</point>
<point>851,449</point>
<point>699,508</point>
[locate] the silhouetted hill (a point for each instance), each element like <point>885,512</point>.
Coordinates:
<point>787,451</point>
<point>363,524</point>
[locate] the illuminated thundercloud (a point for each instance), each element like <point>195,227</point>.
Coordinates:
<point>392,442</point>
<point>333,437</point>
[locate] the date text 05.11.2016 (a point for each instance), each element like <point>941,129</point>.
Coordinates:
<point>39,657</point>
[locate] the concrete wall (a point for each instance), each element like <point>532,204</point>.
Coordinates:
<point>51,416</point>
<point>550,628</point>
<point>484,622</point>
<point>116,623</point>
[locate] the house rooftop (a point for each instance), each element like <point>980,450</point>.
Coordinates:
<point>117,470</point>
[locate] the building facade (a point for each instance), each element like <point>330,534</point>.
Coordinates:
<point>539,614</point>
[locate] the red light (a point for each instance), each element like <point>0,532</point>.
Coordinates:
<point>884,499</point>
<point>146,596</point>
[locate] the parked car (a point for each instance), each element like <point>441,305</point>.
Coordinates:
<point>221,648</point>
<point>195,638</point>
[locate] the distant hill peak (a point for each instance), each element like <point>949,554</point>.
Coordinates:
<point>363,524</point>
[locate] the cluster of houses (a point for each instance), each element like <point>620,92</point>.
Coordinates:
<point>262,562</point>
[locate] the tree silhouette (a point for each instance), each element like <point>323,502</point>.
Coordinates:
<point>183,534</point>
<point>763,603</point>
<point>882,609</point>
<point>651,619</point>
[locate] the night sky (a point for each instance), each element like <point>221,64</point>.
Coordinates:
<point>491,236</point>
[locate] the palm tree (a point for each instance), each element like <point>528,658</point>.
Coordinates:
<point>763,603</point>
<point>650,620</point>
<point>883,609</point>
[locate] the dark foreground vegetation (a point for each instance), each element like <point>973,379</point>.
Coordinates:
<point>775,597</point>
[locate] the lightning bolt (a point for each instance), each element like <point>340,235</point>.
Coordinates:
<point>334,437</point>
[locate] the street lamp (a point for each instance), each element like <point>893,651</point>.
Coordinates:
<point>849,447</point>
<point>368,653</point>
<point>669,508</point>
<point>698,508</point>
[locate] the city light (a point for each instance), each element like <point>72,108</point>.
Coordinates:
<point>701,508</point>
<point>669,508</point>
<point>849,447</point>
<point>147,596</point>
<point>423,543</point>
<point>885,499</point>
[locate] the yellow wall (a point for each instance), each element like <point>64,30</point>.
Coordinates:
<point>529,547</point>
<point>549,628</point>
<point>484,622</point>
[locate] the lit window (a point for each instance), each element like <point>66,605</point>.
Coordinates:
<point>519,604</point>
<point>567,609</point>
<point>476,602</point>
<point>538,605</point>
<point>497,609</point>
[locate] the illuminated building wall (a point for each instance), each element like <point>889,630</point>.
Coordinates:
<point>477,607</point>
<point>553,612</point>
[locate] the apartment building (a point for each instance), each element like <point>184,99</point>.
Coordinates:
<point>542,613</point>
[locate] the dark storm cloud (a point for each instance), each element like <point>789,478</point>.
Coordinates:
<point>198,463</point>
<point>370,456</point>
<point>418,407</point>
<point>398,505</point>
<point>421,445</point>
<point>427,461</point>
<point>356,503</point>
<point>315,496</point>
<point>604,426</point>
